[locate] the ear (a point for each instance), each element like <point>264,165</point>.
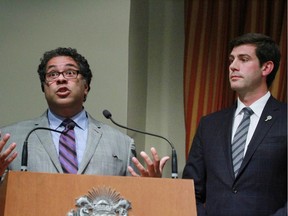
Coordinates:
<point>267,68</point>
<point>87,88</point>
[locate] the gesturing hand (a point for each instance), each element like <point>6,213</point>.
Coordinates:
<point>7,156</point>
<point>154,167</point>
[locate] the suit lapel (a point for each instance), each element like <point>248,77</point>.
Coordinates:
<point>94,135</point>
<point>261,130</point>
<point>46,141</point>
<point>226,134</point>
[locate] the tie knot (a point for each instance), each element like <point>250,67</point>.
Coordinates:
<point>68,124</point>
<point>247,111</point>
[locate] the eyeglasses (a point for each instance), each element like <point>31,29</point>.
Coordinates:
<point>69,74</point>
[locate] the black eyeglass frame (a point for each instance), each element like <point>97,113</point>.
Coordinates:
<point>66,74</point>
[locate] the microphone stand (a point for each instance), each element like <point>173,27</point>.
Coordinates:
<point>174,164</point>
<point>24,159</point>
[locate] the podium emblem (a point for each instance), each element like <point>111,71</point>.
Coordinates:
<point>101,201</point>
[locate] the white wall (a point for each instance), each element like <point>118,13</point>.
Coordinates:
<point>98,29</point>
<point>156,51</point>
<point>136,56</point>
<point>165,106</point>
<point>138,69</point>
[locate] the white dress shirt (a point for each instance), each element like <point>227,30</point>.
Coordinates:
<point>257,108</point>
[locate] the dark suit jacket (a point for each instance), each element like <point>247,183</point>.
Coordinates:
<point>261,185</point>
<point>108,151</point>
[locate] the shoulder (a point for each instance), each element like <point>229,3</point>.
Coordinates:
<point>104,128</point>
<point>275,105</point>
<point>29,124</point>
<point>220,115</point>
<point>20,130</point>
<point>98,124</point>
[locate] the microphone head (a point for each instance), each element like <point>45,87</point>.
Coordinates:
<point>107,114</point>
<point>71,125</point>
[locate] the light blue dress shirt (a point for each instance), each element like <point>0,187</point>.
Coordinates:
<point>81,131</point>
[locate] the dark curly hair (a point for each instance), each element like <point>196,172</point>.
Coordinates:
<point>266,50</point>
<point>84,68</point>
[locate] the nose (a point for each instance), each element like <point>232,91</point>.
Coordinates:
<point>61,78</point>
<point>233,65</point>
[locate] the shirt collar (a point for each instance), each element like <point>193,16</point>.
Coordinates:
<point>80,120</point>
<point>257,106</point>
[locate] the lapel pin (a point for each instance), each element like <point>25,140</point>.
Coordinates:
<point>268,118</point>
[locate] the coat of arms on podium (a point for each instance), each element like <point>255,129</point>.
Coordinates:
<point>101,201</point>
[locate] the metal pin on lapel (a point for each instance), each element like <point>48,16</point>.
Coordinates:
<point>268,118</point>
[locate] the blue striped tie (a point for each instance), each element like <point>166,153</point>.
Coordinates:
<point>67,149</point>
<point>239,140</point>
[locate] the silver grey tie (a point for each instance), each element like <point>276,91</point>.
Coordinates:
<point>239,140</point>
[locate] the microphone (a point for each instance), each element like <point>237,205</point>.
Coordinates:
<point>108,115</point>
<point>24,159</point>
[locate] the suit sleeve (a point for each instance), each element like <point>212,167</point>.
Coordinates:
<point>195,169</point>
<point>132,154</point>
<point>281,211</point>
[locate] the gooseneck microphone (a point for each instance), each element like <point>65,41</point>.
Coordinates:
<point>24,159</point>
<point>108,115</point>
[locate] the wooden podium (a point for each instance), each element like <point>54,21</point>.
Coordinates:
<point>28,193</point>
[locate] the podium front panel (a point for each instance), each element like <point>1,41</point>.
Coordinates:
<point>31,194</point>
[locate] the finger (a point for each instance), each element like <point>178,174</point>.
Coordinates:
<point>4,140</point>
<point>132,172</point>
<point>163,162</point>
<point>7,152</point>
<point>150,165</point>
<point>146,158</point>
<point>5,161</point>
<point>140,167</point>
<point>156,160</point>
<point>6,157</point>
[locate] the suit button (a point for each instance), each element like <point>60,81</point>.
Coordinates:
<point>235,190</point>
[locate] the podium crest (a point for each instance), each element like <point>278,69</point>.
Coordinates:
<point>101,201</point>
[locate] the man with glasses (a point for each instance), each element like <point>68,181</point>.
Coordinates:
<point>88,147</point>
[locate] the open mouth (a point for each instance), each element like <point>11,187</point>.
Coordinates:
<point>63,91</point>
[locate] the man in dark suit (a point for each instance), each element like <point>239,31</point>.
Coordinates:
<point>256,184</point>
